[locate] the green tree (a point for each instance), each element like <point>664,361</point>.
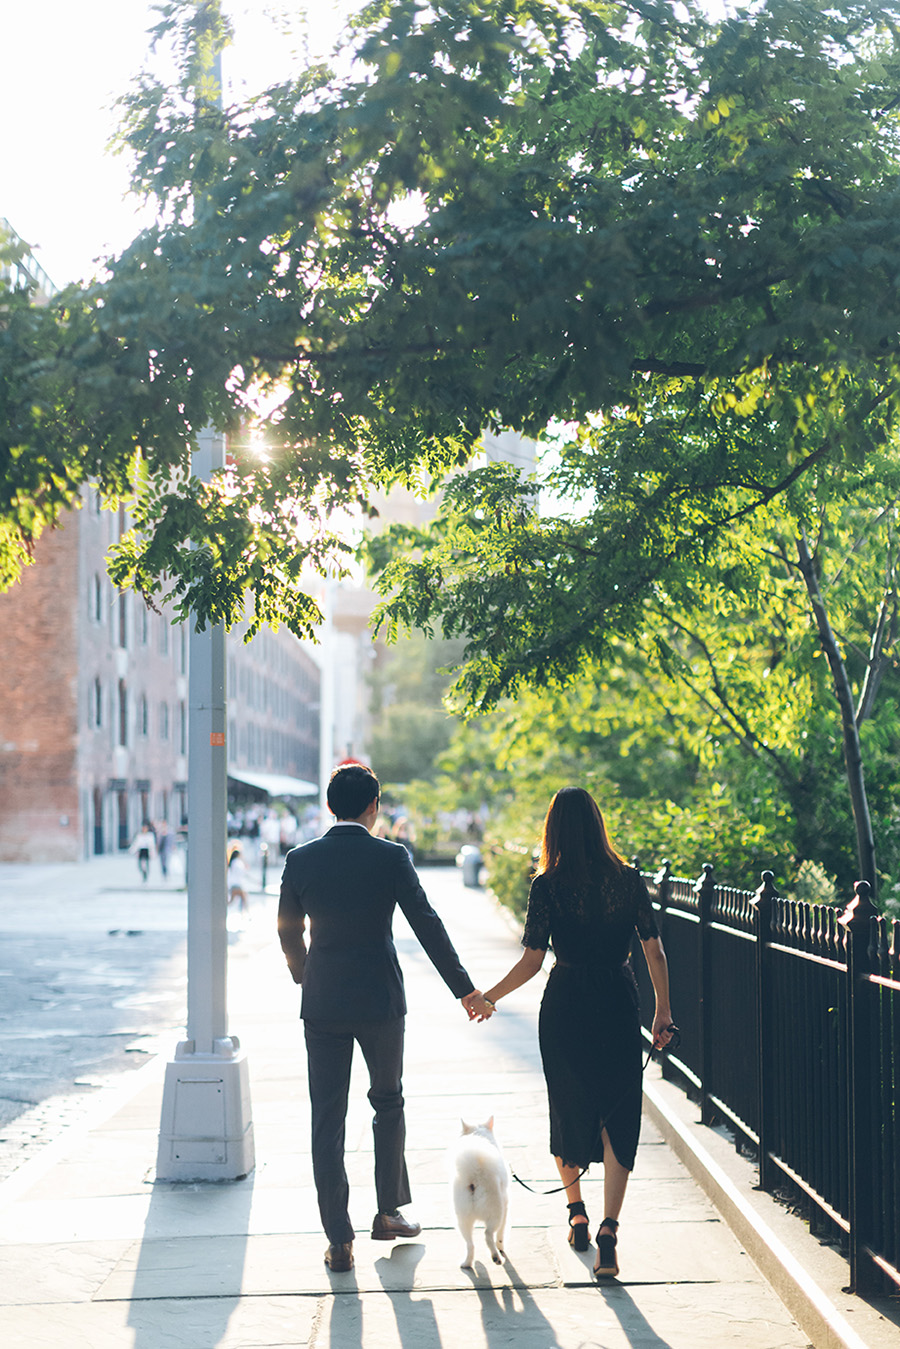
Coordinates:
<point>411,727</point>
<point>666,244</point>
<point>746,683</point>
<point>629,734</point>
<point>668,233</point>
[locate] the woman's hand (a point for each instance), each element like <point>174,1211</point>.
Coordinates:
<point>662,1030</point>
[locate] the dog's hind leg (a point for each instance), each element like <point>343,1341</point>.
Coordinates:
<point>466,1223</point>
<point>496,1255</point>
<point>501,1229</point>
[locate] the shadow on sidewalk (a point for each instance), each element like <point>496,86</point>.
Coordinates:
<point>190,1265</point>
<point>510,1315</point>
<point>417,1326</point>
<point>635,1325</point>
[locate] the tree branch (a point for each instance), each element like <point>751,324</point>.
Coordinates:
<point>879,660</point>
<point>865,840</point>
<point>858,543</point>
<point>738,725</point>
<point>675,369</point>
<point>710,298</point>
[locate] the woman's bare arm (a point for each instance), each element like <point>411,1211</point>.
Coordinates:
<point>525,968</point>
<point>658,968</point>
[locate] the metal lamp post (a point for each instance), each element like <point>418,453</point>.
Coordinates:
<point>206,1129</point>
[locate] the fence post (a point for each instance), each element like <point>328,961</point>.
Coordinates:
<point>663,882</point>
<point>762,927</point>
<point>856,921</point>
<point>704,888</point>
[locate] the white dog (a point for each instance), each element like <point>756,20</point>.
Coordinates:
<point>480,1180</point>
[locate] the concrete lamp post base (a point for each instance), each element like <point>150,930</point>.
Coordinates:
<point>206,1128</point>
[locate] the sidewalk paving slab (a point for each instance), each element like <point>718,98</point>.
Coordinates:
<point>95,1253</point>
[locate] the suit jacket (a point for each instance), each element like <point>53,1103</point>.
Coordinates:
<point>346,885</point>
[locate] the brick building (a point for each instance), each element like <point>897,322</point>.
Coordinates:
<point>94,717</point>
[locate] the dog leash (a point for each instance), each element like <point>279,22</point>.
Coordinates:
<point>664,1049</point>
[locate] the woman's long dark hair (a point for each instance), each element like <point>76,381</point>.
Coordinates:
<point>575,843</point>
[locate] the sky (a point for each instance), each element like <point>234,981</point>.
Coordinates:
<point>65,62</point>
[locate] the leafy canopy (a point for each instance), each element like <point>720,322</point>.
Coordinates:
<point>668,241</point>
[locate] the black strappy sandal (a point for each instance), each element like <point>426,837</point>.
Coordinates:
<point>579,1233</point>
<point>607,1266</point>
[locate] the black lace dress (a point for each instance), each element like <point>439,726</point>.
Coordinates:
<point>589,1026</point>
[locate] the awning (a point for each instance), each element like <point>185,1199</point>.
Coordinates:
<point>276,784</point>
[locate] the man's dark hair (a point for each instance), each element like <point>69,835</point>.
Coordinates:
<point>351,789</point>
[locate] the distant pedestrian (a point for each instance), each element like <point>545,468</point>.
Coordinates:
<point>143,848</point>
<point>287,833</point>
<point>165,841</point>
<point>238,879</point>
<point>403,834</point>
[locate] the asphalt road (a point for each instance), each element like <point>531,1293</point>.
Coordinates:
<point>92,980</point>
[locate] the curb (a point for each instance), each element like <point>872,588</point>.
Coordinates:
<point>111,1098</point>
<point>800,1291</point>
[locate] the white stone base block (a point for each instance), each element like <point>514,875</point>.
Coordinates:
<point>206,1129</point>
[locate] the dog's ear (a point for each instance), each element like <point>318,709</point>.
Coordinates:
<point>467,1128</point>
<point>489,1124</point>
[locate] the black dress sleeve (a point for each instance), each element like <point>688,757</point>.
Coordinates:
<point>645,921</point>
<point>537,920</point>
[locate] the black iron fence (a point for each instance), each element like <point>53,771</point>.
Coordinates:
<point>790,1034</point>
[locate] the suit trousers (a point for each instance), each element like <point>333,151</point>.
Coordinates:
<point>329,1052</point>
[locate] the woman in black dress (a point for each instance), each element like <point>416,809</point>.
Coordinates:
<point>587,902</point>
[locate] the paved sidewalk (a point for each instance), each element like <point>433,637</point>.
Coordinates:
<point>94,1254</point>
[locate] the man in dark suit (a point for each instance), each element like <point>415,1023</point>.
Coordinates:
<point>346,885</point>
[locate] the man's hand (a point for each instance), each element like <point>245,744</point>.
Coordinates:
<point>477,1006</point>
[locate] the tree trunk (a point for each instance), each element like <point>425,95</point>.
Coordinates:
<point>865,841</point>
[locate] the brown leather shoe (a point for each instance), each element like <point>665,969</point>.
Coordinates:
<point>389,1226</point>
<point>340,1258</point>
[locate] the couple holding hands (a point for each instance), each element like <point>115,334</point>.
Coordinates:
<point>584,899</point>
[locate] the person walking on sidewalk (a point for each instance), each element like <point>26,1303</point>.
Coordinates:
<point>165,842</point>
<point>238,879</point>
<point>588,902</point>
<point>345,887</point>
<point>143,848</point>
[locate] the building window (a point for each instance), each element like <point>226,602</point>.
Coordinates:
<point>182,649</point>
<point>164,721</point>
<point>97,599</point>
<point>145,625</point>
<point>163,636</point>
<point>144,716</point>
<point>97,704</point>
<point>182,727</point>
<point>123,619</point>
<point>123,713</point>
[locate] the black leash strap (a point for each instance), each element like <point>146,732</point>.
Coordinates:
<point>673,1044</point>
